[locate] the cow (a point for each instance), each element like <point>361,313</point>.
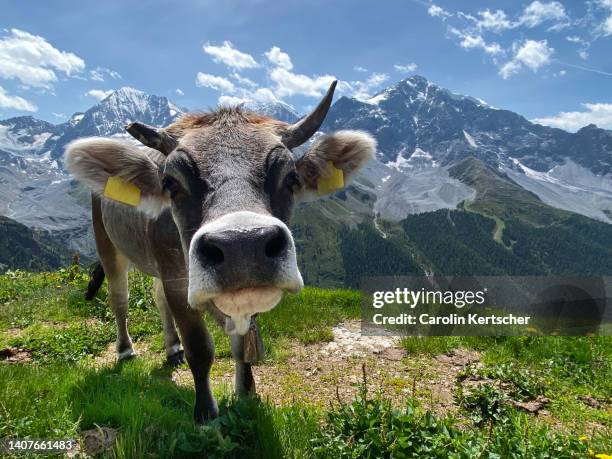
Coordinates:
<point>214,195</point>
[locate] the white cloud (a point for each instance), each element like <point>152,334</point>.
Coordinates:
<point>531,54</point>
<point>494,20</point>
<point>33,60</point>
<point>584,45</point>
<point>437,11</point>
<point>533,15</point>
<point>15,102</point>
<point>230,56</point>
<point>179,92</point>
<point>509,69</point>
<point>214,82</point>
<point>476,41</point>
<point>289,83</point>
<point>263,95</point>
<point>279,58</point>
<point>534,54</point>
<point>98,93</point>
<point>405,68</point>
<point>363,90</point>
<point>599,114</point>
<point>236,89</point>
<point>538,12</point>
<point>98,73</point>
<point>361,69</point>
<point>231,100</point>
<point>605,27</point>
<point>243,80</point>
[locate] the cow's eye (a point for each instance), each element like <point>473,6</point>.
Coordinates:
<point>292,181</point>
<point>171,186</point>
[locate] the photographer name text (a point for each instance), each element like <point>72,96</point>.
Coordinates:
<point>450,319</point>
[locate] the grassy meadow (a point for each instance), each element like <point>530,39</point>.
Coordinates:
<point>67,382</point>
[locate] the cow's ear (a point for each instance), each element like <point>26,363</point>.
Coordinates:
<point>134,173</point>
<point>334,159</point>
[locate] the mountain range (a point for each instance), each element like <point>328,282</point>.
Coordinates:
<point>426,135</point>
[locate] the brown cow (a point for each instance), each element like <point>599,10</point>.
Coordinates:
<point>216,194</point>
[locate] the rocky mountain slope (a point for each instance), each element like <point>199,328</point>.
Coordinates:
<point>422,129</point>
<point>37,191</point>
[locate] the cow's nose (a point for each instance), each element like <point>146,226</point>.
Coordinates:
<point>240,251</point>
<point>263,244</point>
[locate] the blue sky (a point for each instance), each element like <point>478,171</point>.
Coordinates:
<point>547,60</point>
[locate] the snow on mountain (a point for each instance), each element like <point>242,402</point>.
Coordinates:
<point>25,134</point>
<point>111,114</point>
<point>422,129</point>
<point>417,113</point>
<point>278,110</point>
<point>570,187</point>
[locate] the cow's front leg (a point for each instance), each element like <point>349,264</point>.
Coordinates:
<point>199,349</point>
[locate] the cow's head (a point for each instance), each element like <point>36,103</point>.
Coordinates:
<point>231,182</point>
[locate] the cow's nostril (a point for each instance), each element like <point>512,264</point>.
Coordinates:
<point>211,253</point>
<point>277,244</point>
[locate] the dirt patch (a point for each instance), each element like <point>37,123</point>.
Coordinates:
<point>14,332</point>
<point>99,440</point>
<point>107,357</point>
<point>329,373</point>
<point>348,340</point>
<point>598,404</point>
<point>15,355</point>
<point>532,406</point>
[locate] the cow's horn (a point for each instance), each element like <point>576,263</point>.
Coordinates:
<point>301,131</point>
<point>152,137</point>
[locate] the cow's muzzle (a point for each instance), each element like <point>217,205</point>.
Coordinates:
<point>243,262</point>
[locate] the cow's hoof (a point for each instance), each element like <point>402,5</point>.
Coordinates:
<point>126,355</point>
<point>205,415</point>
<point>176,359</point>
<point>246,388</point>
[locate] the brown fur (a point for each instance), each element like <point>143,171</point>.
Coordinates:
<point>223,116</point>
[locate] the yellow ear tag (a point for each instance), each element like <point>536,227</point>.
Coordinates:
<point>120,190</point>
<point>332,182</point>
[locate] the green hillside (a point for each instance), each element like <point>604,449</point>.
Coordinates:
<point>504,230</point>
<point>23,248</point>
<point>497,195</point>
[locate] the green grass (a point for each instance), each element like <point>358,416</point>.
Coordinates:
<point>63,391</point>
<point>371,427</point>
<point>563,369</point>
<point>152,414</point>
